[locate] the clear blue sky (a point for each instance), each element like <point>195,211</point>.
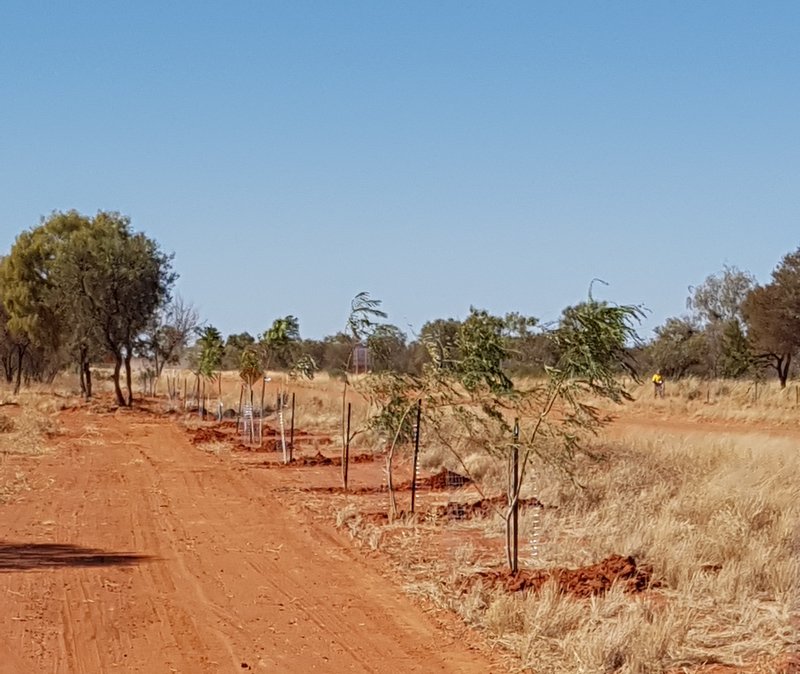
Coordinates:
<point>435,154</point>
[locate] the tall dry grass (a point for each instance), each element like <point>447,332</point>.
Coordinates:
<point>717,519</point>
<point>28,421</point>
<point>28,428</point>
<point>721,400</point>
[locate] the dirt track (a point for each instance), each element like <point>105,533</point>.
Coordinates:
<point>136,552</point>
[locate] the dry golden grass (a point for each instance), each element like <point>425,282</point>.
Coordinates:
<point>28,428</point>
<point>318,402</point>
<point>32,429</point>
<point>716,517</point>
<point>12,483</point>
<point>217,448</point>
<point>723,400</point>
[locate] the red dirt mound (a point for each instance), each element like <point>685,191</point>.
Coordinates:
<point>319,459</point>
<point>482,508</point>
<point>453,510</point>
<point>584,582</point>
<point>268,445</point>
<point>444,479</point>
<point>199,436</point>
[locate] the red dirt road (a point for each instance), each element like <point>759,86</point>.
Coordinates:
<point>136,552</point>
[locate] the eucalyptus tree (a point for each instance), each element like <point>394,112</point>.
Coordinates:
<point>717,308</point>
<point>772,312</point>
<point>114,280</point>
<point>34,300</point>
<point>388,349</point>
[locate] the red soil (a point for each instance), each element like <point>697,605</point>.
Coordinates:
<point>141,554</point>
<point>584,582</point>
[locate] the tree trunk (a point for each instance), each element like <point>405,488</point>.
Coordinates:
<point>87,375</point>
<point>117,387</point>
<point>21,349</point>
<point>128,383</point>
<point>783,368</point>
<point>82,350</point>
<point>8,368</point>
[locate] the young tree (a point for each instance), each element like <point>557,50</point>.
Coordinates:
<point>211,347</point>
<point>279,341</point>
<point>473,405</point>
<point>250,372</point>
<point>168,333</point>
<point>362,322</point>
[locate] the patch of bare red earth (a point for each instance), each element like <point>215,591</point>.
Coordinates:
<point>134,552</point>
<point>584,582</point>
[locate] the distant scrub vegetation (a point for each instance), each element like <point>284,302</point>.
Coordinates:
<point>79,291</point>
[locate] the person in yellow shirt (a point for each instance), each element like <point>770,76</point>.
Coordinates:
<point>658,385</point>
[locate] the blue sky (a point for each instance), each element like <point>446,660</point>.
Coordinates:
<point>436,154</point>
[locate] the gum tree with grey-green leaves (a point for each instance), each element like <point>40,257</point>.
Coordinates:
<point>84,286</point>
<point>112,281</point>
<point>772,313</point>
<point>717,308</point>
<point>36,306</point>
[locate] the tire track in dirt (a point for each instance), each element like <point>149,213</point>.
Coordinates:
<point>234,579</point>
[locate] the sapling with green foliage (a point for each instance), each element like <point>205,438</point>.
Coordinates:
<point>362,322</point>
<point>209,359</point>
<point>471,403</point>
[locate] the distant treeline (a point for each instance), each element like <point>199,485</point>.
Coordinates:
<point>79,291</point>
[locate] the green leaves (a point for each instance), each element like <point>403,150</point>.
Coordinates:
<point>483,353</point>
<point>278,345</point>
<point>211,349</point>
<point>250,367</point>
<point>363,314</point>
<point>592,341</point>
<point>85,285</point>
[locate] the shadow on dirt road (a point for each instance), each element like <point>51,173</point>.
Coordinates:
<point>28,556</point>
